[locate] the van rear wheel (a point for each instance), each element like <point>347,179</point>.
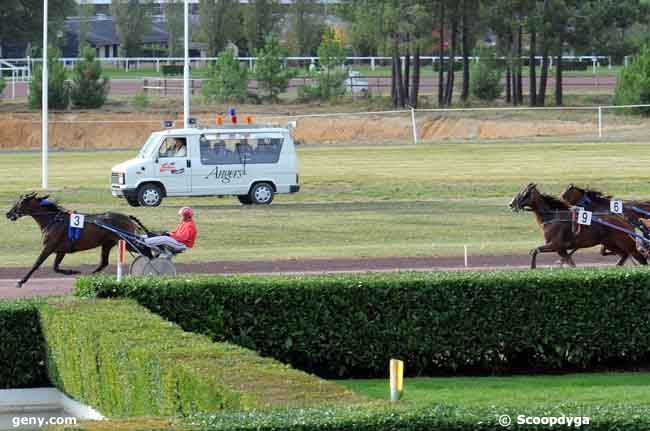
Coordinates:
<point>261,194</point>
<point>245,199</point>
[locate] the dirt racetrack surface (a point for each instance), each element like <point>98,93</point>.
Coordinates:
<point>46,283</point>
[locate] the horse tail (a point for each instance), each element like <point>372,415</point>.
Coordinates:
<point>139,223</point>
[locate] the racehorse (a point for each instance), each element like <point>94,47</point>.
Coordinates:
<point>634,211</point>
<point>555,219</point>
<point>54,222</point>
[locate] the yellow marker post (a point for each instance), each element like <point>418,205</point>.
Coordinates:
<point>396,379</point>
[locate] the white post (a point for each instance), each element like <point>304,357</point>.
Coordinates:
<point>414,125</point>
<point>13,83</point>
<point>186,71</point>
<point>600,121</point>
<point>372,63</point>
<point>44,101</point>
<point>466,261</point>
<point>157,65</point>
<point>593,61</point>
<point>610,63</point>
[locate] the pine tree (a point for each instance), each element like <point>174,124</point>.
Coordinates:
<point>89,85</point>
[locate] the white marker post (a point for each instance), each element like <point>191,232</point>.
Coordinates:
<point>466,261</point>
<point>186,71</point>
<point>121,246</point>
<point>44,101</point>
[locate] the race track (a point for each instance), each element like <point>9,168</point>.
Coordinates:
<point>46,283</point>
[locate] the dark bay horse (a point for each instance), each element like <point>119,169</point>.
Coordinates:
<point>54,221</point>
<point>636,212</point>
<point>554,218</point>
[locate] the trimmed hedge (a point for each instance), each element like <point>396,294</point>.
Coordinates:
<point>124,361</point>
<point>171,69</point>
<point>478,323</point>
<point>438,418</point>
<point>22,347</point>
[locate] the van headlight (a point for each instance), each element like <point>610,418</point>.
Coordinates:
<point>121,178</point>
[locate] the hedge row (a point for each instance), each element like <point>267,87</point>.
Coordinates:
<point>350,325</point>
<point>438,418</point>
<point>22,348</point>
<point>124,361</point>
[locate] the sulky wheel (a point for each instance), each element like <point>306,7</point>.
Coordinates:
<point>159,266</point>
<point>138,265</point>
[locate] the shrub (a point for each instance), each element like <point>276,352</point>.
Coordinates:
<point>89,87</point>
<point>58,88</point>
<point>227,80</point>
<point>633,85</point>
<point>3,84</point>
<point>270,72</point>
<point>128,362</point>
<point>486,81</point>
<point>350,325</point>
<point>141,101</point>
<point>329,81</point>
<point>22,356</point>
<point>172,69</point>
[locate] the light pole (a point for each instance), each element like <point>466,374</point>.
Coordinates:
<point>44,102</point>
<point>186,71</point>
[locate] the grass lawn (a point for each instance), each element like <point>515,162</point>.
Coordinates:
<point>383,200</point>
<point>525,392</point>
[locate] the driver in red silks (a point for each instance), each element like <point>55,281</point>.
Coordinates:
<point>179,239</point>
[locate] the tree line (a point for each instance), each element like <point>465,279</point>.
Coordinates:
<point>522,29</point>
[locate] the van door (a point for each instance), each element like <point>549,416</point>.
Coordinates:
<point>173,165</point>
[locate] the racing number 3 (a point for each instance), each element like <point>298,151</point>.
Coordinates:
<point>77,220</point>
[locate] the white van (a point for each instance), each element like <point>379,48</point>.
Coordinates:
<point>251,162</point>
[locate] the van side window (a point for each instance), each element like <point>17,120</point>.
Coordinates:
<point>218,151</point>
<point>173,147</point>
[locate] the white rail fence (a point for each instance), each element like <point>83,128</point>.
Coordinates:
<point>130,63</point>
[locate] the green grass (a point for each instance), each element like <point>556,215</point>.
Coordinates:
<point>382,200</point>
<point>516,392</point>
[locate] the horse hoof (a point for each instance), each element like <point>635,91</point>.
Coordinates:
<point>19,284</point>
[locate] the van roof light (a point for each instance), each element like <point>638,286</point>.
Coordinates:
<point>192,122</point>
<point>168,124</point>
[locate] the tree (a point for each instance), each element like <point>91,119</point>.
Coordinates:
<point>258,22</point>
<point>174,18</point>
<point>85,12</point>
<point>633,86</point>
<point>58,89</point>
<point>227,80</point>
<point>89,87</point>
<point>220,22</point>
<point>20,20</point>
<point>306,29</point>
<point>331,58</point>
<point>2,85</point>
<point>366,28</point>
<point>271,74</point>
<point>132,22</point>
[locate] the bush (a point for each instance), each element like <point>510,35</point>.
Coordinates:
<point>486,81</point>
<point>89,87</point>
<point>58,88</point>
<point>329,82</point>
<point>141,101</point>
<point>172,69</point>
<point>271,74</point>
<point>351,325</point>
<point>438,418</point>
<point>3,84</point>
<point>633,85</point>
<point>22,356</point>
<point>128,362</point>
<point>227,80</point>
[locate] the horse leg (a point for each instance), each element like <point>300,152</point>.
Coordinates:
<point>57,261</point>
<point>605,252</point>
<point>639,258</point>
<point>566,257</point>
<point>546,248</point>
<point>45,253</point>
<point>106,251</point>
<point>623,258</point>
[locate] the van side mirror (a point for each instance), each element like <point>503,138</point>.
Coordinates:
<point>156,160</point>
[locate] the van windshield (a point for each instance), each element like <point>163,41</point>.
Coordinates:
<point>148,146</point>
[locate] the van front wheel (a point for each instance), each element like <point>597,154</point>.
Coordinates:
<point>150,195</point>
<point>261,194</point>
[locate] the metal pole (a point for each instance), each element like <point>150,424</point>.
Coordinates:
<point>44,101</point>
<point>415,127</point>
<point>186,72</point>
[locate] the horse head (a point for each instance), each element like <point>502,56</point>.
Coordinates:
<point>573,195</point>
<point>25,205</point>
<point>524,198</point>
